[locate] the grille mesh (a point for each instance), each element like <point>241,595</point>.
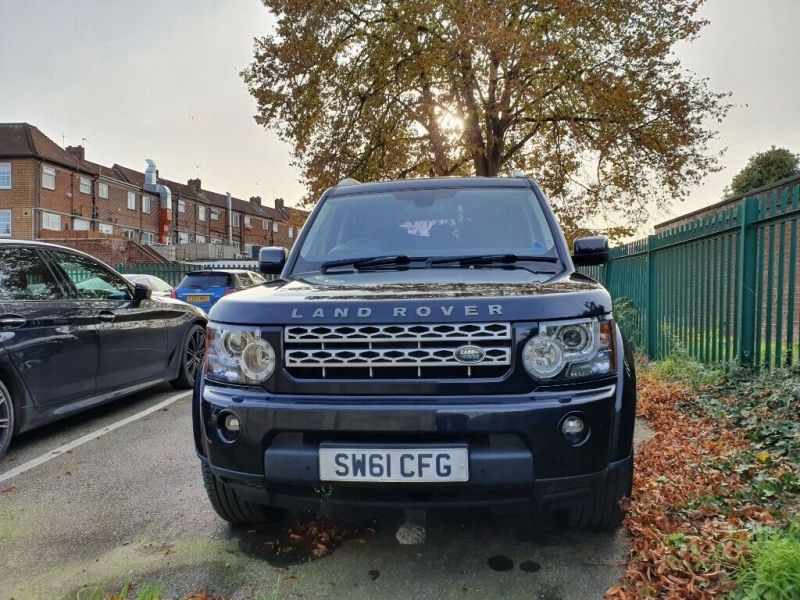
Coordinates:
<point>395,351</point>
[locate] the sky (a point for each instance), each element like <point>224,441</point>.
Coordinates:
<point>160,79</point>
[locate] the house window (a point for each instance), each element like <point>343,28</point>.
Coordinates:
<point>201,213</point>
<point>215,215</point>
<point>80,225</point>
<point>48,178</point>
<point>5,176</point>
<point>5,223</point>
<point>247,221</point>
<point>291,233</point>
<point>216,241</point>
<point>181,206</point>
<point>183,237</point>
<point>86,185</point>
<point>148,237</point>
<point>129,234</point>
<point>264,224</point>
<point>106,228</point>
<point>51,221</point>
<point>102,190</point>
<point>146,204</point>
<point>201,239</point>
<point>131,201</point>
<point>236,219</point>
<point>275,227</point>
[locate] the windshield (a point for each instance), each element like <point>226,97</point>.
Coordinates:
<point>427,223</point>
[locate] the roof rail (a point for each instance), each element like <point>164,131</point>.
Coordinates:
<point>517,173</point>
<point>348,181</point>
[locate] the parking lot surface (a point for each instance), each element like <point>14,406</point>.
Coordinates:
<point>129,506</point>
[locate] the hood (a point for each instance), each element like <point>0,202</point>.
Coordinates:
<point>417,296</point>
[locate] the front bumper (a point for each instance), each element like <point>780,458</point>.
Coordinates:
<point>517,455</point>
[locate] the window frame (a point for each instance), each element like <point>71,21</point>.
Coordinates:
<point>101,226</point>
<point>146,204</point>
<point>236,219</point>
<point>45,216</point>
<point>181,205</point>
<point>50,266</point>
<point>8,211</point>
<point>132,195</point>
<point>88,185</point>
<point>215,215</point>
<point>49,172</point>
<point>201,212</point>
<point>72,288</point>
<point>100,187</point>
<point>276,227</point>
<point>10,176</point>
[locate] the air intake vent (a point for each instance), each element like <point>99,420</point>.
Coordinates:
<point>397,351</point>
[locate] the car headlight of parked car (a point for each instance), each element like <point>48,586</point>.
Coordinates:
<point>579,348</point>
<point>238,355</point>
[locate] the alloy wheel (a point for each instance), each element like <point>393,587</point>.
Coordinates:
<point>5,418</point>
<point>195,352</point>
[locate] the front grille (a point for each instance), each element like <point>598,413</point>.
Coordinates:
<point>395,351</point>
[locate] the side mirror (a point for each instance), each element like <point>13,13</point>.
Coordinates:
<point>589,251</point>
<point>271,260</point>
<point>141,292</point>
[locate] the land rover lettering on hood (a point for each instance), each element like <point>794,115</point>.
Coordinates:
<point>427,343</point>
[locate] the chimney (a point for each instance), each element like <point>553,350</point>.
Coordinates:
<point>279,203</point>
<point>150,176</point>
<point>255,200</point>
<point>78,152</point>
<point>195,184</point>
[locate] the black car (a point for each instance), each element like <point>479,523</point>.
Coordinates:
<point>428,344</point>
<point>74,333</point>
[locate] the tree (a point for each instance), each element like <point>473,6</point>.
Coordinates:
<point>585,95</point>
<point>764,168</point>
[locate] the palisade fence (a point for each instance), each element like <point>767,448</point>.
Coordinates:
<point>722,285</point>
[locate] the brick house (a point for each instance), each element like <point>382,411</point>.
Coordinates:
<point>51,193</point>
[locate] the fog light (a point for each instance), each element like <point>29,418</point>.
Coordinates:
<point>574,429</point>
<point>232,423</point>
<point>229,426</point>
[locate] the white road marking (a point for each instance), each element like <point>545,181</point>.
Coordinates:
<point>33,463</point>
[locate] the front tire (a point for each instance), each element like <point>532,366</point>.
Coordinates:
<point>6,419</point>
<point>228,505</point>
<point>192,355</point>
<point>601,510</point>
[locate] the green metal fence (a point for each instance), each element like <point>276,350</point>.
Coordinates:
<point>173,273</point>
<point>722,285</point>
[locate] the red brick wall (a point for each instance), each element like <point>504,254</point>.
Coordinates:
<point>24,184</point>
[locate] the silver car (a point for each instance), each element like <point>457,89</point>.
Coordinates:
<point>159,287</point>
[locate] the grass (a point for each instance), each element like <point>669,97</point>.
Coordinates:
<point>146,591</point>
<point>773,571</point>
<point>682,368</point>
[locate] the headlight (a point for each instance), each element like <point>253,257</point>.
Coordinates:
<point>584,347</point>
<point>238,355</point>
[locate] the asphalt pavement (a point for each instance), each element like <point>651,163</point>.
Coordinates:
<point>129,507</point>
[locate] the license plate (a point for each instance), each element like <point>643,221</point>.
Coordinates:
<point>197,298</point>
<point>337,463</point>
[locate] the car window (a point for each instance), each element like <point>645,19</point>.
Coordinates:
<point>24,275</point>
<point>160,285</point>
<point>205,280</point>
<point>257,279</point>
<point>244,280</point>
<point>91,279</point>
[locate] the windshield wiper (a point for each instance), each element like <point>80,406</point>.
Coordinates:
<point>361,264</point>
<point>505,259</point>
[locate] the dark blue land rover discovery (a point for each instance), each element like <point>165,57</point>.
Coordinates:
<point>428,344</point>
